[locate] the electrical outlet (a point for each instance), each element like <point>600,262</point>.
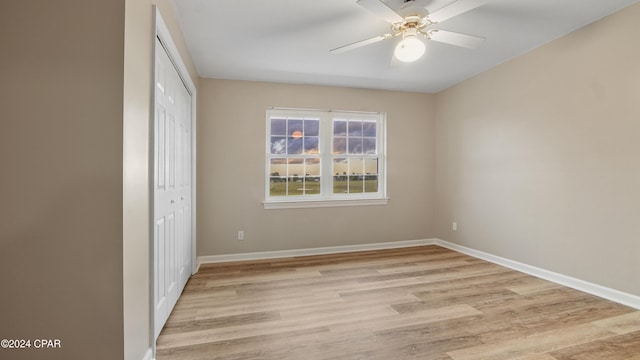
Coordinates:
<point>240,234</point>
<point>454,226</point>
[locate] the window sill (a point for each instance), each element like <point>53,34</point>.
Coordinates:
<point>269,205</point>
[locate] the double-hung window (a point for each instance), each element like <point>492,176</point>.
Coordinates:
<point>324,158</point>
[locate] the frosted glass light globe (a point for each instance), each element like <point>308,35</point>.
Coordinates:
<point>409,49</point>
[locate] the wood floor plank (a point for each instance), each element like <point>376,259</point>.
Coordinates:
<point>536,357</point>
<point>175,327</point>
<point>244,347</point>
<point>427,303</point>
<point>621,324</point>
<point>533,285</point>
<point>536,344</point>
<point>621,347</point>
<point>396,320</point>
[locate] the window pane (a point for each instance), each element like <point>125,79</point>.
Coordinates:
<point>294,145</point>
<point>355,186</point>
<point>356,180</point>
<point>295,166</point>
<point>278,167</point>
<point>295,128</point>
<point>278,144</point>
<point>371,175</point>
<point>312,166</point>
<point>340,176</point>
<point>356,166</point>
<point>355,145</point>
<point>368,146</point>
<point>312,127</point>
<point>311,185</point>
<point>371,183</point>
<point>278,127</point>
<point>296,186</point>
<point>340,127</point>
<point>339,145</point>
<point>312,176</point>
<point>371,166</point>
<point>311,145</point>
<point>341,166</point>
<point>294,141</point>
<point>355,128</point>
<point>369,129</point>
<point>278,177</point>
<point>295,169</point>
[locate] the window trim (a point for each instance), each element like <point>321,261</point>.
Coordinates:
<point>303,204</point>
<point>328,198</point>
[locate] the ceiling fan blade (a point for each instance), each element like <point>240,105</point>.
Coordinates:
<point>454,9</point>
<point>457,39</point>
<point>360,43</point>
<point>381,9</point>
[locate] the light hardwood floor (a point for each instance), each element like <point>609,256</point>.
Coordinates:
<point>415,303</point>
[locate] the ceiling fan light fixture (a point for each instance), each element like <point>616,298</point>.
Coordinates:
<point>410,48</point>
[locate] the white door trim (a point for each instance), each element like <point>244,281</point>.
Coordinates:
<point>161,32</point>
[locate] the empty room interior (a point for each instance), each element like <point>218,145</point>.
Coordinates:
<point>340,179</point>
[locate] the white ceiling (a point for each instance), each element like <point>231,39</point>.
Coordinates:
<point>289,40</point>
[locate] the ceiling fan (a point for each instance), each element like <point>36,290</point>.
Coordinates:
<point>412,22</point>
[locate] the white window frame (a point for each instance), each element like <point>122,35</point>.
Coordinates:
<point>327,198</point>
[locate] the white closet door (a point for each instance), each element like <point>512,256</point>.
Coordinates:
<point>184,188</point>
<point>172,195</point>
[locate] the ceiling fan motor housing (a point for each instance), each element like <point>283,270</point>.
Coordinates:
<point>415,22</point>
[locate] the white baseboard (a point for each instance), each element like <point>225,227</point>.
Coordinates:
<point>313,251</point>
<point>590,288</point>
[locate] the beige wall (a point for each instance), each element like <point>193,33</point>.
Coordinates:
<point>74,131</point>
<point>61,177</point>
<point>138,55</point>
<point>231,143</point>
<point>538,159</point>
